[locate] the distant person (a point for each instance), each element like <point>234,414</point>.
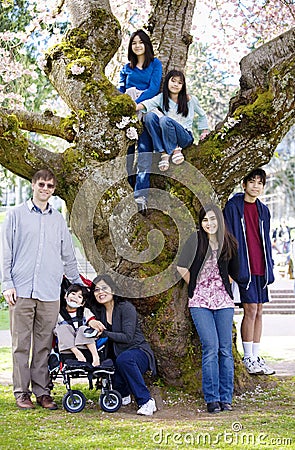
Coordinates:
<point>116,318</point>
<point>37,252</point>
<point>248,219</point>
<point>206,262</point>
<point>169,119</point>
<point>141,79</point>
<point>284,235</point>
<point>72,324</point>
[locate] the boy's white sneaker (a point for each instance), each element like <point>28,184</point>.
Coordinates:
<point>126,400</point>
<point>148,408</point>
<point>252,366</point>
<point>266,369</point>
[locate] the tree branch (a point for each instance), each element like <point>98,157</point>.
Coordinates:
<point>46,123</point>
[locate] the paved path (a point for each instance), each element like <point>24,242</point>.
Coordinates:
<point>278,343</point>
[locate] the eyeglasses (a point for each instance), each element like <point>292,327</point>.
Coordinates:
<point>102,289</point>
<point>42,185</point>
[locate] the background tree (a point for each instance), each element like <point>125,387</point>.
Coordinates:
<point>90,170</point>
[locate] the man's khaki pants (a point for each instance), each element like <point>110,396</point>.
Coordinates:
<point>31,324</point>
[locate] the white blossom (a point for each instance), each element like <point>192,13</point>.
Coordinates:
<point>131,133</point>
<point>77,70</point>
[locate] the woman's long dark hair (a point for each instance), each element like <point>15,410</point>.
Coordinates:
<point>182,96</point>
<point>149,51</point>
<point>227,244</point>
<point>92,303</point>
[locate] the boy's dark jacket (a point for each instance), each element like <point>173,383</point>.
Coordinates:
<point>235,221</point>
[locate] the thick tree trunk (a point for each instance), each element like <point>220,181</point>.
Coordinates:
<point>142,252</point>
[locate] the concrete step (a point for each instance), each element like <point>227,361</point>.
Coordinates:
<point>282,300</point>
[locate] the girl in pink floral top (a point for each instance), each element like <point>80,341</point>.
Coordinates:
<point>206,262</point>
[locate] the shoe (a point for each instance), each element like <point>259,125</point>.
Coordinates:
<point>53,362</point>
<point>266,369</point>
<point>148,408</point>
<point>177,157</point>
<point>226,406</point>
<point>141,205</point>
<point>252,366</point>
<point>213,407</point>
<point>46,402</point>
<point>164,162</point>
<point>24,401</point>
<point>90,332</point>
<point>126,400</point>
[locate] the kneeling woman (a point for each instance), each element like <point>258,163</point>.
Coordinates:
<point>207,260</point>
<point>117,319</point>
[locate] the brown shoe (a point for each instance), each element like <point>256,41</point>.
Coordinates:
<point>46,402</point>
<point>24,401</point>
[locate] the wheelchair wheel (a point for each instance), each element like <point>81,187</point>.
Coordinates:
<point>76,403</point>
<point>110,401</point>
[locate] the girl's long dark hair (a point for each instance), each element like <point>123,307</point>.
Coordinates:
<point>227,243</point>
<point>182,96</point>
<point>149,51</point>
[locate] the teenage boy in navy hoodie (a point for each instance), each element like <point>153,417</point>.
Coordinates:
<point>248,219</point>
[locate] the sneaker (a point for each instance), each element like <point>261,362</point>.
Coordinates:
<point>126,400</point>
<point>266,369</point>
<point>53,362</point>
<point>226,406</point>
<point>252,366</point>
<point>90,332</point>
<point>213,407</point>
<point>24,401</point>
<point>148,408</point>
<point>141,205</point>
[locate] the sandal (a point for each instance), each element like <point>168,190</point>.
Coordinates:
<point>177,157</point>
<point>164,162</point>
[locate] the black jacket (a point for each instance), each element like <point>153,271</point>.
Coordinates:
<point>191,259</point>
<point>126,332</point>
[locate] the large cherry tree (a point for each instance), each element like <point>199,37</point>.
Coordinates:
<point>141,252</point>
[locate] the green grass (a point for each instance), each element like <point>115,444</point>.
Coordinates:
<point>263,419</point>
<point>4,319</point>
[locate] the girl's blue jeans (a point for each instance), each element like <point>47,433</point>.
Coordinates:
<point>214,328</point>
<point>139,178</point>
<point>166,133</point>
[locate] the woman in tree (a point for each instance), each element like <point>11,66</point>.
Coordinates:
<point>141,79</point>
<point>171,130</point>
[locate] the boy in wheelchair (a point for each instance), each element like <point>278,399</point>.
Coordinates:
<point>71,326</point>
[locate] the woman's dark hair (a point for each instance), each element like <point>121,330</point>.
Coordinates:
<point>149,51</point>
<point>93,304</point>
<point>227,244</point>
<point>182,96</point>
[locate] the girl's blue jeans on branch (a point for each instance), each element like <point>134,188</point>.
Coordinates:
<point>131,365</point>
<point>166,133</point>
<point>139,179</point>
<point>214,328</point>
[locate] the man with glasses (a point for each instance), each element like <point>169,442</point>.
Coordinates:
<point>37,251</point>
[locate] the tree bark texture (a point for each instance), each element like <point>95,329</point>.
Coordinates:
<point>91,172</point>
